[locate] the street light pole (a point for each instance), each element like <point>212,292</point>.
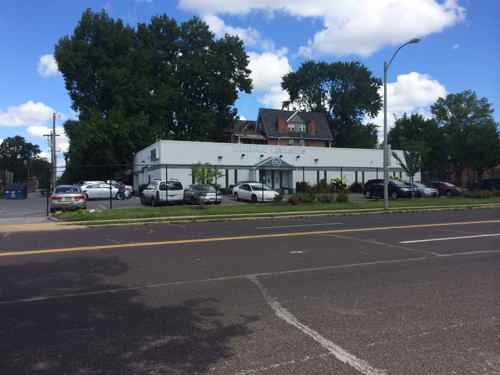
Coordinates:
<point>386,144</point>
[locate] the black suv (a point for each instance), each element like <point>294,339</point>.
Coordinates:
<point>370,183</point>
<point>397,190</point>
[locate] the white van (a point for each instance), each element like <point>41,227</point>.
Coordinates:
<point>163,192</point>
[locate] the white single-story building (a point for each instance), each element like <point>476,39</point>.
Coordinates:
<point>281,167</point>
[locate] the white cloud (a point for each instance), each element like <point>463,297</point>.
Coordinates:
<point>411,93</point>
<point>45,155</point>
<point>350,27</point>
<point>267,70</point>
<point>62,141</point>
<point>47,66</point>
<point>217,25</point>
<point>27,114</point>
<point>456,46</point>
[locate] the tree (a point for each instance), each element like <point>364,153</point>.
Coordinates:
<point>415,134</point>
<point>471,134</point>
<point>21,157</point>
<point>346,91</point>
<point>206,173</point>
<point>132,86</point>
<point>411,163</point>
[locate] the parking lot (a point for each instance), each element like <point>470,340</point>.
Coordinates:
<point>395,294</point>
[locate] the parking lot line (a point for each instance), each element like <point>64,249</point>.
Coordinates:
<point>451,238</point>
<point>338,352</point>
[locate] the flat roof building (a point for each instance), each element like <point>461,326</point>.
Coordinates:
<point>281,167</point>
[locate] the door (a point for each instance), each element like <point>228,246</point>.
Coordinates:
<point>245,192</point>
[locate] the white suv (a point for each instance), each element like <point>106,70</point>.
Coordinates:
<point>160,192</point>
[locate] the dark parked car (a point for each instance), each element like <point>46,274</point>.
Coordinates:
<point>369,183</point>
<point>397,190</point>
<point>424,190</point>
<point>196,194</point>
<point>490,184</point>
<point>445,188</point>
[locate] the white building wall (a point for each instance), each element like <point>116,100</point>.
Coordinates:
<point>244,157</point>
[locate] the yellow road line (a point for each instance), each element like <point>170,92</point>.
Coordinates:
<point>235,238</point>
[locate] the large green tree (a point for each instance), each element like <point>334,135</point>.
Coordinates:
<point>418,135</point>
<point>346,91</point>
<point>23,158</point>
<point>132,86</point>
<point>470,132</point>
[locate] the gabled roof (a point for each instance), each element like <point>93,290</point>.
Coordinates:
<point>274,163</point>
<point>269,117</point>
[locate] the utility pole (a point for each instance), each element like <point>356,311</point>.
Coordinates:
<point>51,138</point>
<point>54,155</point>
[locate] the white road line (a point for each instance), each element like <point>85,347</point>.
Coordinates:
<point>465,253</point>
<point>298,225</point>
<point>386,244</point>
<point>242,276</point>
<point>452,238</point>
<point>341,354</point>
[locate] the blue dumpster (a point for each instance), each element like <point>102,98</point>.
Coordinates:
<point>16,191</point>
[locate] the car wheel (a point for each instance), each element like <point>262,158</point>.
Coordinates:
<point>236,197</point>
<point>394,195</point>
<point>254,198</point>
<point>143,201</point>
<point>86,196</point>
<point>155,200</point>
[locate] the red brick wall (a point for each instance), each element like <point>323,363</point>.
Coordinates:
<point>311,128</point>
<point>282,126</point>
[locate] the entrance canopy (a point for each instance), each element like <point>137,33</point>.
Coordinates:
<point>274,163</point>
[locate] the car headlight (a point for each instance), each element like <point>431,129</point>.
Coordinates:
<point>404,189</point>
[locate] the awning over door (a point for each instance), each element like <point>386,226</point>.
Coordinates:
<point>274,163</point>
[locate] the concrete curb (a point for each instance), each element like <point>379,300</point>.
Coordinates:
<point>263,216</point>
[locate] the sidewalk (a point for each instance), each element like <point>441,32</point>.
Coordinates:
<point>34,227</point>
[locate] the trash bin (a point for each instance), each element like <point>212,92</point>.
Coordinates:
<point>16,191</point>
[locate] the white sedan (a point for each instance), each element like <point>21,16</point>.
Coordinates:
<point>100,191</point>
<point>254,192</point>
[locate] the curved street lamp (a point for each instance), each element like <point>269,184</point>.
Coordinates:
<point>386,145</point>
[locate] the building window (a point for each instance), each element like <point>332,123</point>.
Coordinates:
<point>296,142</point>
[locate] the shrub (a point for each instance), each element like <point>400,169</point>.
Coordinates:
<point>480,194</point>
<point>293,200</point>
<point>303,187</point>
<point>322,187</point>
<point>339,185</point>
<point>357,187</point>
<point>342,198</point>
<point>325,198</point>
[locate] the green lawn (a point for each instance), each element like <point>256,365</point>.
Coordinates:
<point>264,208</point>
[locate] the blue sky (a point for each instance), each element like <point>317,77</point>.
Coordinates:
<point>460,49</point>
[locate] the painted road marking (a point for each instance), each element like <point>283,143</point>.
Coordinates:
<point>233,238</point>
<point>452,238</point>
<point>338,352</point>
<point>243,276</point>
<point>299,225</point>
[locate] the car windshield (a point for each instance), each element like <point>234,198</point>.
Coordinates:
<point>399,183</point>
<point>66,190</point>
<point>206,188</point>
<point>261,187</point>
<point>420,186</point>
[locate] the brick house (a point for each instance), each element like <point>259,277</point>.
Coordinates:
<point>285,128</point>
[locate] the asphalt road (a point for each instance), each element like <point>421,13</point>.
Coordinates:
<point>369,294</point>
